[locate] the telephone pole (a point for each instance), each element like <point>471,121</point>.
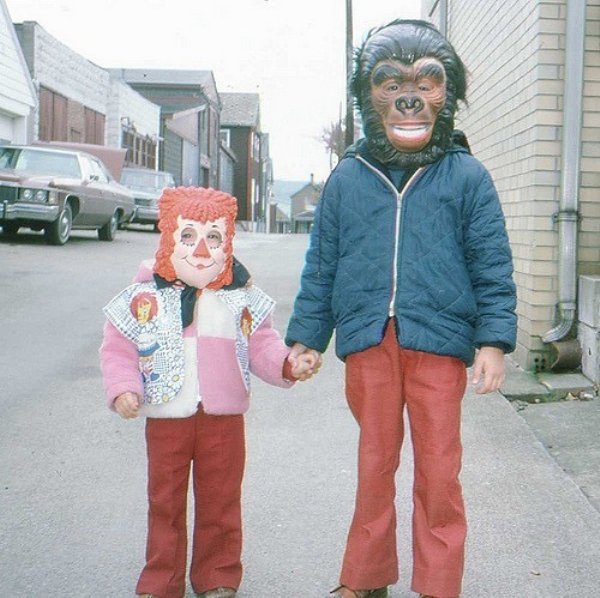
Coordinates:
<point>349,136</point>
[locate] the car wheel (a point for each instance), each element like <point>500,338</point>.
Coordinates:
<point>10,229</point>
<point>59,231</point>
<point>109,230</point>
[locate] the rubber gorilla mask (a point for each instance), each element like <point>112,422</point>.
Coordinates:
<point>407,82</point>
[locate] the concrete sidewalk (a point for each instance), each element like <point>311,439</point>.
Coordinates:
<point>529,477</point>
<point>563,411</point>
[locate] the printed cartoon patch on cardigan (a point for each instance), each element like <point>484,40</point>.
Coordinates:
<point>151,319</point>
<point>250,306</point>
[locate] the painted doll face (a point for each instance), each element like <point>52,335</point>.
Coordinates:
<point>143,312</point>
<point>199,256</point>
<point>408,98</point>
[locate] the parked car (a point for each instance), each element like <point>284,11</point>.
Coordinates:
<point>58,190</point>
<point>146,186</point>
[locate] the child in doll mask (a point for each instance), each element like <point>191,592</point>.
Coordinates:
<point>208,331</point>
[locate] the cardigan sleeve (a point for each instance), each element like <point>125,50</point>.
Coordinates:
<point>119,365</point>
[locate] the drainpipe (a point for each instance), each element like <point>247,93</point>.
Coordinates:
<point>444,18</point>
<point>567,215</point>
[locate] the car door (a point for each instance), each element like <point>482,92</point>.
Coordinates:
<point>105,204</point>
<point>93,210</point>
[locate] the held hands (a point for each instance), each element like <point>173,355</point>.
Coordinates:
<point>489,363</point>
<point>305,362</point>
<point>127,405</point>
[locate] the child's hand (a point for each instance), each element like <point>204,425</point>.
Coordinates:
<point>305,362</point>
<point>490,363</point>
<point>127,405</point>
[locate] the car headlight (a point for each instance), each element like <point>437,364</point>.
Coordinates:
<point>33,194</point>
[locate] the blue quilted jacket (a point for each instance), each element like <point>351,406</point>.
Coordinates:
<point>436,256</point>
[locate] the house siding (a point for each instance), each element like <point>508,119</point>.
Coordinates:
<point>172,154</point>
<point>240,144</point>
<point>514,52</point>
<point>17,94</point>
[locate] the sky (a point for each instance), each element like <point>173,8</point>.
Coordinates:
<point>291,52</point>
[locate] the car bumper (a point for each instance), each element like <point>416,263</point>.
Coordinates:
<point>32,212</point>
<point>144,214</point>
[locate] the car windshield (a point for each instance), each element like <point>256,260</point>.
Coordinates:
<point>148,181</point>
<point>40,162</point>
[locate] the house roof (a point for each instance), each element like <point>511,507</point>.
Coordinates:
<point>282,192</point>
<point>240,110</point>
<point>171,78</point>
<point>315,188</point>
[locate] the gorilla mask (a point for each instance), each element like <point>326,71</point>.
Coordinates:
<point>407,82</point>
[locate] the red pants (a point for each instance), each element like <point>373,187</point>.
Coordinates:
<point>379,383</point>
<point>216,447</point>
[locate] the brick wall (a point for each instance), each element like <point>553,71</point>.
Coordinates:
<point>514,51</point>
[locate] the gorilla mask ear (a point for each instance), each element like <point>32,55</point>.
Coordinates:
<point>402,43</point>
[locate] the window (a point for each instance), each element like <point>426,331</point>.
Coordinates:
<point>141,149</point>
<point>53,116</point>
<point>94,127</point>
<point>225,136</point>
<point>97,171</point>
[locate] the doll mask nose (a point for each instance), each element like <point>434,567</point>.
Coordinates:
<point>202,250</point>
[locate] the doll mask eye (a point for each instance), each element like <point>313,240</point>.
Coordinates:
<point>214,239</point>
<point>189,236</point>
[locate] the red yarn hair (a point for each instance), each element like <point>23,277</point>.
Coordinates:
<point>200,204</point>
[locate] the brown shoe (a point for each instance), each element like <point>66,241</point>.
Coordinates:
<point>344,592</point>
<point>218,593</point>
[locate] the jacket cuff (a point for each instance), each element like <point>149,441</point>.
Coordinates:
<point>499,345</point>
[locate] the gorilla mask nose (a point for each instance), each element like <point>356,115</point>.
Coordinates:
<point>408,103</point>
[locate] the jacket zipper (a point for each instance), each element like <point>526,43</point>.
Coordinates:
<point>399,206</point>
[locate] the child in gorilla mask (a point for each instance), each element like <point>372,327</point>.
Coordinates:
<point>179,346</point>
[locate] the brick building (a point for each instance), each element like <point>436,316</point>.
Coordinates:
<point>534,120</point>
<point>80,102</point>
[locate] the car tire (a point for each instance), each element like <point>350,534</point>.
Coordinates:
<point>59,231</point>
<point>109,230</point>
<point>10,229</point>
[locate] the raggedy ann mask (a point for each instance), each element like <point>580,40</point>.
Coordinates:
<point>407,82</point>
<point>197,227</point>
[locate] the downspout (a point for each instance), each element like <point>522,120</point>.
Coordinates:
<point>444,18</point>
<point>567,215</point>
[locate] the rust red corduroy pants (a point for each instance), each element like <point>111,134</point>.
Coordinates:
<point>380,382</point>
<point>215,447</point>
